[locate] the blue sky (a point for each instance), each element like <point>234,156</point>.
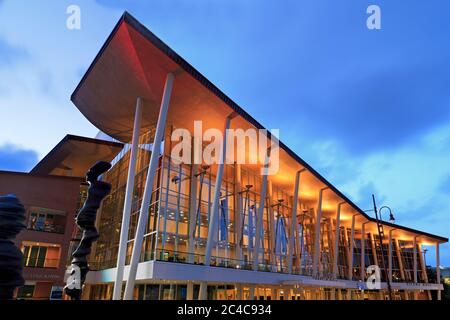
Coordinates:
<point>368,109</point>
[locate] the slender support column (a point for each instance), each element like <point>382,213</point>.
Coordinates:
<point>239,292</point>
<point>192,212</point>
<point>238,211</point>
<point>363,251</point>
<point>259,217</point>
<point>190,291</point>
<point>374,251</point>
<point>317,234</point>
<point>352,249</point>
<point>390,256</point>
<point>117,293</point>
<point>415,260</point>
<point>251,290</point>
<point>438,270</point>
<point>415,275</point>
<point>336,240</point>
<point>399,259</point>
<point>272,252</point>
<point>203,291</point>
<point>215,204</point>
<point>423,267</point>
<point>143,214</point>
<point>294,233</point>
<point>339,294</point>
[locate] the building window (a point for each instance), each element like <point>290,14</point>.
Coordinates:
<point>36,255</point>
<point>46,220</point>
<point>25,292</point>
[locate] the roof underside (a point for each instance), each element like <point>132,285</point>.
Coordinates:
<point>73,156</point>
<point>134,63</point>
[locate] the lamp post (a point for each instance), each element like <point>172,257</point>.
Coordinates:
<point>380,236</point>
<point>425,257</point>
<point>391,215</point>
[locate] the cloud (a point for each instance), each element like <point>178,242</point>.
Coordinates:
<point>10,54</point>
<point>35,91</point>
<point>413,179</point>
<point>16,158</point>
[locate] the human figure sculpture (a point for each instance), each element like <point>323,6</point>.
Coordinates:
<point>12,221</point>
<point>85,220</point>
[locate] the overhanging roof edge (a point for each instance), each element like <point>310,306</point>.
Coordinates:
<point>67,138</point>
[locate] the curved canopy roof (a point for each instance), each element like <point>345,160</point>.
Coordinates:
<point>133,63</point>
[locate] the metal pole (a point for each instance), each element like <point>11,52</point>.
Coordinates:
<point>317,235</point>
<point>259,216</point>
<point>143,214</point>
<point>215,208</point>
<point>438,270</point>
<point>293,236</point>
<point>380,238</point>
<point>216,197</point>
<point>352,249</point>
<point>121,255</point>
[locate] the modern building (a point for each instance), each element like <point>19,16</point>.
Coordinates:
<point>221,231</point>
<point>192,230</point>
<point>52,192</point>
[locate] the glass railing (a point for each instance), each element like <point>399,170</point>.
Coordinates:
<point>199,259</point>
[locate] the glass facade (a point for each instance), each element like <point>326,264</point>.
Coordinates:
<point>178,221</point>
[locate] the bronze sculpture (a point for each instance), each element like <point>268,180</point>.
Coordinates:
<point>85,220</point>
<point>12,221</point>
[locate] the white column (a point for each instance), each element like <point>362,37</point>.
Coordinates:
<point>215,204</point>
<point>121,255</point>
<point>438,270</point>
<point>336,239</point>
<point>238,212</point>
<point>352,249</point>
<point>190,291</point>
<point>272,251</point>
<point>143,214</point>
<point>192,212</point>
<point>363,251</point>
<point>215,207</point>
<point>317,234</point>
<point>415,259</point>
<point>239,291</point>
<point>390,256</point>
<point>251,290</point>
<point>294,228</point>
<point>259,217</point>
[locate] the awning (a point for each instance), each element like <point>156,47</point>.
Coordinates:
<point>74,155</point>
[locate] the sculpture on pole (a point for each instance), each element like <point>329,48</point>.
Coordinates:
<point>85,220</point>
<point>12,221</point>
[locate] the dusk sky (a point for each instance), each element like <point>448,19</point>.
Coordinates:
<point>368,109</point>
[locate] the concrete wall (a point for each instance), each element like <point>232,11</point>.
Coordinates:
<point>59,193</point>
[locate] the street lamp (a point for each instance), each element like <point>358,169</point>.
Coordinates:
<point>391,215</point>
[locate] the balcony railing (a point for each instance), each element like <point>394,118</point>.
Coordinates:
<point>51,228</point>
<point>199,259</point>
